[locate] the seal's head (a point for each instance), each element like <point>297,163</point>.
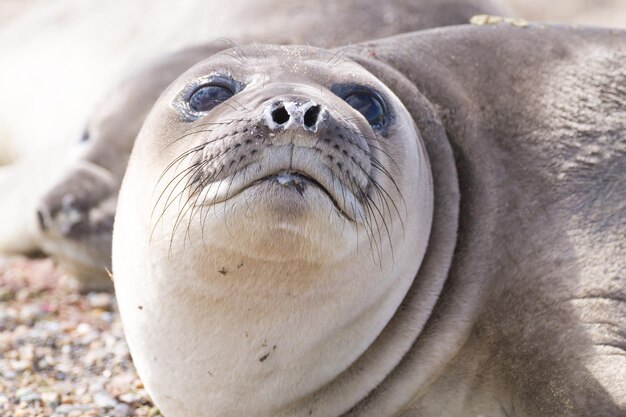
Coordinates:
<point>300,159</point>
<point>276,208</point>
<point>75,215</point>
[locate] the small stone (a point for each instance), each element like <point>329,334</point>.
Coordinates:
<point>6,294</point>
<point>9,374</point>
<point>121,349</point>
<point>95,356</point>
<point>51,399</point>
<point>63,388</point>
<point>107,317</point>
<point>68,408</point>
<point>485,19</point>
<point>96,386</point>
<point>83,329</point>
<point>29,314</point>
<point>50,326</point>
<point>120,384</point>
<point>101,300</point>
<point>130,398</point>
<point>154,412</point>
<point>30,398</point>
<point>81,390</point>
<point>23,294</point>
<point>63,409</point>
<point>23,394</point>
<point>27,353</point>
<point>122,410</point>
<point>104,400</point>
<point>20,366</point>
<point>89,337</point>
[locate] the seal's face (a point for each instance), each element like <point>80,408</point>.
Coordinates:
<point>276,208</point>
<point>300,155</point>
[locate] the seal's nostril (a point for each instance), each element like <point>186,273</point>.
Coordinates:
<point>41,220</point>
<point>280,115</point>
<point>311,115</point>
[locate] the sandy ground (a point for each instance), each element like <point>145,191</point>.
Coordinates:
<point>63,353</point>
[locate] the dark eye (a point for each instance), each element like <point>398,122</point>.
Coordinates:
<point>208,96</point>
<point>369,106</point>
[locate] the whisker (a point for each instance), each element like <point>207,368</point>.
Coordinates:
<point>241,55</point>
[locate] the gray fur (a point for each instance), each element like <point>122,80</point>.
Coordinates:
<point>536,292</point>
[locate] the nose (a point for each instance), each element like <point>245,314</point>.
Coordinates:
<point>43,218</point>
<point>60,216</point>
<point>286,114</point>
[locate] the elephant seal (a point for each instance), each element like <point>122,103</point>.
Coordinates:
<point>430,224</point>
<point>75,215</point>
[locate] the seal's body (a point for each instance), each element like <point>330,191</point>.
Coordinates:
<point>431,224</point>
<point>76,211</point>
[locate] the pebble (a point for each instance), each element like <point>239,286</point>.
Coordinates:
<point>83,329</point>
<point>130,398</point>
<point>51,399</point>
<point>104,400</point>
<point>6,294</point>
<point>100,300</point>
<point>30,398</point>
<point>26,394</point>
<point>70,408</point>
<point>9,374</point>
<point>28,314</point>
<point>122,410</point>
<point>154,412</point>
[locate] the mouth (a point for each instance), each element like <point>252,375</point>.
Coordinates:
<point>298,180</point>
<point>293,179</point>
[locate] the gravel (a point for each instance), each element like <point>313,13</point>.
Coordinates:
<point>62,353</point>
